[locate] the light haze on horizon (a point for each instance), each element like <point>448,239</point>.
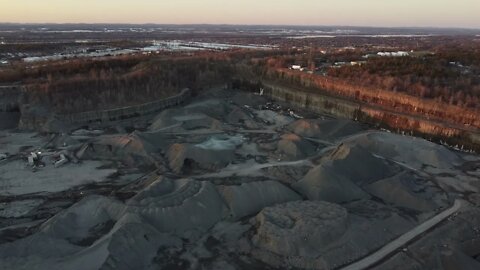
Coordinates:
<point>388,13</point>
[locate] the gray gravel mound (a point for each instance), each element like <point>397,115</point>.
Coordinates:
<point>249,198</point>
<point>332,129</point>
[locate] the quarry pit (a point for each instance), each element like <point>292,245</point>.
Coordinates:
<point>233,180</point>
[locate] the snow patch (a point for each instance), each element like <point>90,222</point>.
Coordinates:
<point>222,143</point>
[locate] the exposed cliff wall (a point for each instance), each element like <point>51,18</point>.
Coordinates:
<point>9,98</point>
<point>313,102</point>
<point>346,108</point>
<point>37,117</point>
<point>400,102</point>
<point>125,112</point>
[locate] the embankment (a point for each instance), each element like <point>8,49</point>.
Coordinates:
<point>378,116</point>
<point>389,100</point>
<point>34,120</point>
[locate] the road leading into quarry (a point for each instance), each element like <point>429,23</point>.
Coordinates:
<point>250,169</point>
<point>396,244</point>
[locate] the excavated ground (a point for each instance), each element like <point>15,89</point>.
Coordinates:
<point>231,180</point>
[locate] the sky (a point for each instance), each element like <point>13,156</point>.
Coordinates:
<point>388,13</point>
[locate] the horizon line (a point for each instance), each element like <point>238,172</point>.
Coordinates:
<point>244,24</point>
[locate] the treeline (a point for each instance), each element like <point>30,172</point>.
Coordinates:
<point>27,73</point>
<point>86,85</point>
<point>376,96</point>
<point>448,78</point>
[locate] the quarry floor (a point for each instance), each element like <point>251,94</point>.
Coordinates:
<point>232,180</point>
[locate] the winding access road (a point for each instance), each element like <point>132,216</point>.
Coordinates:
<point>396,244</point>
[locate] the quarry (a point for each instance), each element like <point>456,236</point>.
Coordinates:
<point>230,179</point>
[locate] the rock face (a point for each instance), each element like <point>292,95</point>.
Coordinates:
<point>249,198</point>
<point>126,112</point>
<point>9,97</point>
<point>34,116</point>
<point>9,120</point>
<point>347,109</point>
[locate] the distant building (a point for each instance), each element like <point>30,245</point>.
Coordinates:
<point>357,63</point>
<point>393,54</point>
<point>401,54</point>
<point>296,67</point>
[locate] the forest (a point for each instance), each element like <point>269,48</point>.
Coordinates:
<point>425,78</point>
<point>447,76</point>
<point>443,85</point>
<point>86,84</point>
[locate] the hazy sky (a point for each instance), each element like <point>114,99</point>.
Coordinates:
<point>437,13</point>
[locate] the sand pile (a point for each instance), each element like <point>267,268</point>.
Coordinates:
<point>358,164</point>
<point>321,235</point>
<point>293,147</point>
<point>132,149</point>
<point>205,222</point>
<point>212,154</point>
<point>249,198</point>
<point>274,118</point>
<point>333,129</point>
<point>102,233</point>
<point>414,152</point>
<point>177,120</point>
<point>215,108</point>
<point>326,184</point>
<point>239,117</point>
<point>78,223</point>
<point>158,139</point>
<point>93,234</point>
<point>207,114</point>
<point>300,228</point>
<point>405,190</point>
<point>341,175</point>
<point>179,206</point>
